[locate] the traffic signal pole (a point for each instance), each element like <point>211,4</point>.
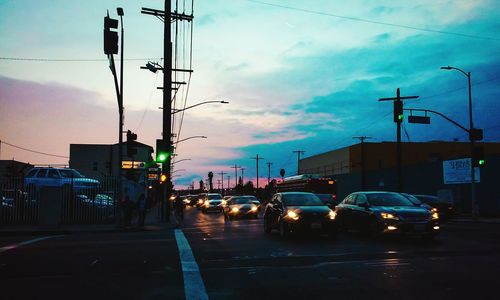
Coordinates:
<point>398,119</point>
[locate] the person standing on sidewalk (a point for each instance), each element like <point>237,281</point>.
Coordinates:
<point>178,211</point>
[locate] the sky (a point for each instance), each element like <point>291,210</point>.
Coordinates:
<point>298,75</point>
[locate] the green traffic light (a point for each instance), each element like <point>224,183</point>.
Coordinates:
<point>400,117</point>
<point>481,162</point>
<point>162,157</point>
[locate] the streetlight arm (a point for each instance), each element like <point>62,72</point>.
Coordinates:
<point>198,104</point>
<point>191,137</point>
<point>454,68</point>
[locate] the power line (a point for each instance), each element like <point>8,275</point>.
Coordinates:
<point>30,150</point>
<point>375,22</point>
<point>70,59</point>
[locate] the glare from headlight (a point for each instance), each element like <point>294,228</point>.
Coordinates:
<point>435,216</point>
<point>293,215</point>
<point>434,210</point>
<point>223,202</point>
<point>200,201</point>
<point>435,227</point>
<point>332,215</point>
<point>388,216</point>
<point>235,209</point>
<point>392,227</point>
<point>254,208</point>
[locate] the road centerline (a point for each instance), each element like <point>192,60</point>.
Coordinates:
<point>14,246</point>
<point>194,288</point>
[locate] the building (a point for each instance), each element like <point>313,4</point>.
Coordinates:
<point>422,170</point>
<point>97,161</point>
<point>13,169</point>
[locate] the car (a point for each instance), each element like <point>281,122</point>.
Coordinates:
<point>240,207</point>
<point>64,178</point>
<point>212,205</point>
<point>381,212</point>
<point>200,200</point>
<point>443,207</point>
<point>295,212</point>
<point>417,202</point>
<point>328,199</point>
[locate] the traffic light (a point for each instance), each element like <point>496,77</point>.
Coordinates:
<point>398,111</point>
<point>131,137</point>
<point>478,157</point>
<point>110,36</point>
<point>163,151</point>
<point>163,178</point>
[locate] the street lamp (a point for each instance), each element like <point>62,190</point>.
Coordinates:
<point>174,111</point>
<point>471,141</point>
<point>174,162</point>
<point>191,137</point>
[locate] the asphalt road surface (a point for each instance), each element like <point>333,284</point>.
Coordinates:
<point>237,260</point>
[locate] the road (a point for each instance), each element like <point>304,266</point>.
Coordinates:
<point>237,260</point>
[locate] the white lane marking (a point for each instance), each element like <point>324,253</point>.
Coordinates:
<point>194,288</point>
<point>14,246</point>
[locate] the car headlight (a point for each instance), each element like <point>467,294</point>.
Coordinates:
<point>235,209</point>
<point>293,215</point>
<point>434,210</point>
<point>200,201</point>
<point>388,216</point>
<point>332,215</point>
<point>224,202</point>
<point>254,208</point>
<point>435,216</point>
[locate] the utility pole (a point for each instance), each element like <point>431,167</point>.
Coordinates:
<point>257,158</point>
<point>299,152</point>
<point>269,172</point>
<point>228,185</point>
<point>222,173</point>
<point>167,16</point>
<point>235,167</point>
<point>363,173</point>
<point>242,177</point>
<point>398,119</point>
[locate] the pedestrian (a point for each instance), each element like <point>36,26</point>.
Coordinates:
<point>178,211</point>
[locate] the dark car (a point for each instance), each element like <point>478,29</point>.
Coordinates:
<point>239,207</point>
<point>328,199</point>
<point>417,202</point>
<point>212,205</point>
<point>386,212</point>
<point>293,212</point>
<point>444,208</point>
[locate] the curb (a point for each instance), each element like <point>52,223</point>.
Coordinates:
<point>55,231</point>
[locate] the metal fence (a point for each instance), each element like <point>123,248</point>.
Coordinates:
<point>23,204</point>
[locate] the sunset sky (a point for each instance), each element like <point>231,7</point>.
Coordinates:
<point>298,75</point>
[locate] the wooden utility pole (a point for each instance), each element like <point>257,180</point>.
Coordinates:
<point>167,16</point>
<point>235,167</point>
<point>257,158</point>
<point>269,164</point>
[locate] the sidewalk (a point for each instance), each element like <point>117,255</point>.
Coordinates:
<point>152,223</point>
<point>467,219</point>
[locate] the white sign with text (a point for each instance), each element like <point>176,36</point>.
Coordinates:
<point>457,171</point>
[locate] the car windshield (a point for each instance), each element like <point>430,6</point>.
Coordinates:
<point>242,200</point>
<point>214,196</point>
<point>388,199</point>
<point>302,200</point>
<point>428,199</point>
<point>413,199</point>
<point>69,173</point>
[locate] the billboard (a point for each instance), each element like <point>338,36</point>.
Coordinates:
<point>457,171</point>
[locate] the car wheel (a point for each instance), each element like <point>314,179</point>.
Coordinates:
<point>284,231</point>
<point>342,225</point>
